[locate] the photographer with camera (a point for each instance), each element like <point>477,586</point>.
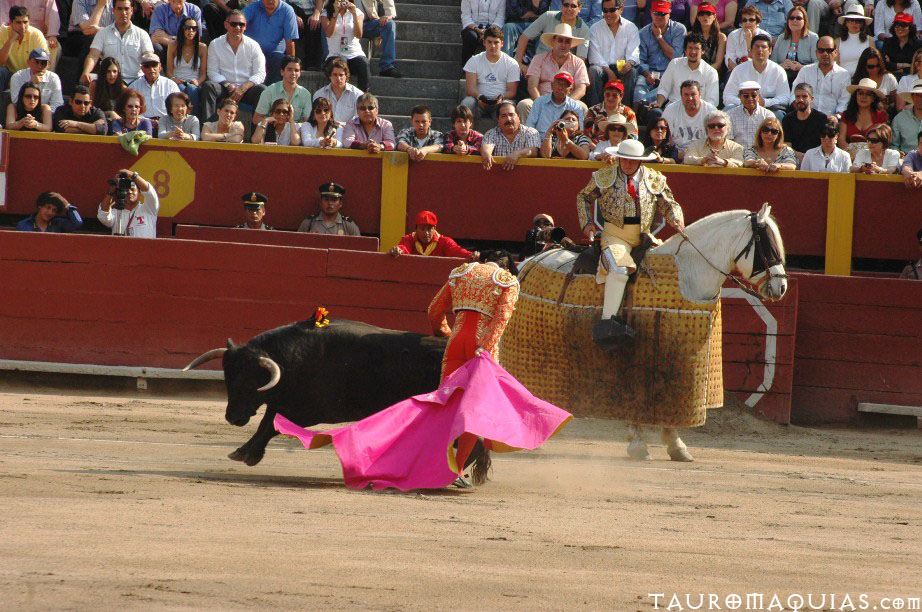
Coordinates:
<point>543,234</point>
<point>130,207</point>
<point>564,138</point>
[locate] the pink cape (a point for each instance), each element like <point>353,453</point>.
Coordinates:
<point>409,445</point>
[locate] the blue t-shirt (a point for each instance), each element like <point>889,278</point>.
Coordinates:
<point>271,31</point>
<point>164,19</point>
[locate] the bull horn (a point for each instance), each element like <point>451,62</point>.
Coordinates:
<point>273,369</point>
<point>212,354</point>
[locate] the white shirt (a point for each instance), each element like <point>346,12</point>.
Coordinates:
<point>888,84</point>
<point>492,78</point>
<point>685,130</point>
<point>883,17</point>
<point>904,85</point>
<point>483,12</point>
<point>50,86</point>
<point>773,79</point>
<point>829,93</point>
<point>140,222</point>
<point>155,95</point>
<point>816,161</point>
<point>606,48</point>
<point>343,42</point>
<point>745,125</point>
<point>247,64</point>
<point>891,158</point>
<point>343,107</point>
<point>736,45</point>
<point>678,72</point>
<point>127,48</point>
<point>851,49</point>
<point>309,136</point>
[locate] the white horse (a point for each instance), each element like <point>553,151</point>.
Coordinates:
<point>710,250</point>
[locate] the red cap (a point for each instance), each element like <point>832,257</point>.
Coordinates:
<point>662,7</point>
<point>426,217</point>
<point>615,84</point>
<point>707,8</point>
<point>902,18</point>
<point>566,76</point>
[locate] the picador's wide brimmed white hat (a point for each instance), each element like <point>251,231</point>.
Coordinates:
<point>916,89</point>
<point>617,119</point>
<point>630,149</point>
<point>564,30</point>
<point>854,12</point>
<point>867,84</point>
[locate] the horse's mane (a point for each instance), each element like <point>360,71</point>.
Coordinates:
<point>705,227</point>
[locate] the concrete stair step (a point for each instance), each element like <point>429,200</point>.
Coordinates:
<point>440,51</point>
<point>428,12</point>
<point>440,107</point>
<point>424,69</point>
<point>428,31</point>
<point>428,3</point>
<point>419,88</point>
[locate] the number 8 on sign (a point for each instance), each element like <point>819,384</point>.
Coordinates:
<point>162,183</point>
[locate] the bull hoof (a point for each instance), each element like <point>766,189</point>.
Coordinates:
<point>253,458</point>
<point>638,451</point>
<point>680,454</point>
<point>238,455</point>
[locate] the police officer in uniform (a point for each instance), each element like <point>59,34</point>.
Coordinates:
<point>330,220</point>
<point>254,206</point>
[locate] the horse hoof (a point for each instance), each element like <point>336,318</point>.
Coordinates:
<point>238,455</point>
<point>638,451</point>
<point>679,454</point>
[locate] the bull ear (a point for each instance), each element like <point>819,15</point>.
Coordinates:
<point>230,344</point>
<point>764,212</point>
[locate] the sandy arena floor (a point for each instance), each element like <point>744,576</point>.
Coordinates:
<point>125,503</point>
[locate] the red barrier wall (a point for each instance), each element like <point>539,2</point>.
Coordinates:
<point>472,203</point>
<point>277,238</point>
<point>858,340</point>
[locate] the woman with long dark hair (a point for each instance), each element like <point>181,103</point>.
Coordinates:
<point>885,13</point>
<point>853,36</point>
<point>321,129</point>
<point>865,109</point>
<point>658,141</point>
<point>107,87</point>
<point>871,66</point>
<point>187,60</point>
<point>706,25</point>
<point>901,46</point>
<point>29,114</point>
<point>342,25</point>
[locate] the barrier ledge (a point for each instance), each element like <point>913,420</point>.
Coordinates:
<point>15,365</point>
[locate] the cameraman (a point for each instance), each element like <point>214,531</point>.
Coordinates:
<point>130,206</point>
<point>543,235</point>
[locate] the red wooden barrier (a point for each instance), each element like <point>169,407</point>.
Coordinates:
<point>277,238</point>
<point>858,340</point>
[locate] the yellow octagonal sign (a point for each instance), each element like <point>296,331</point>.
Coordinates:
<point>171,176</point>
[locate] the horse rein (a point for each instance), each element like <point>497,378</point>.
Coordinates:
<point>767,260</point>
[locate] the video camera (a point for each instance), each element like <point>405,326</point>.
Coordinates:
<point>122,187</point>
<point>537,237</point>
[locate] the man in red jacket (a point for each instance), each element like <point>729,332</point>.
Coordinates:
<point>425,240</point>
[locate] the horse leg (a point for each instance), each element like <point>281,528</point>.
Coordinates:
<point>674,445</point>
<point>637,449</point>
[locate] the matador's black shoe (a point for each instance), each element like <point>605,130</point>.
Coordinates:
<point>609,333</point>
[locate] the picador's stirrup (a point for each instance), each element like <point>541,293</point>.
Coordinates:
<point>608,333</point>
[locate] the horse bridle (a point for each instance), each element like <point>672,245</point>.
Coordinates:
<point>767,256</point>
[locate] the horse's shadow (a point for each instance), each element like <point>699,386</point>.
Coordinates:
<point>259,480</point>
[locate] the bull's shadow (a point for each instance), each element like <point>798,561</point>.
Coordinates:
<point>259,480</point>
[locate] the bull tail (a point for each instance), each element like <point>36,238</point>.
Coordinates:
<point>482,466</point>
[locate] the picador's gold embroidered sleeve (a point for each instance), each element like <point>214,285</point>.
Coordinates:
<point>584,202</point>
<point>438,309</point>
<point>668,207</point>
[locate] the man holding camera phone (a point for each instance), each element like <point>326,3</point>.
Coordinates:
<point>130,207</point>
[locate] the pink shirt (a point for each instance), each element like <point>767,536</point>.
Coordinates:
<point>43,14</point>
<point>545,67</point>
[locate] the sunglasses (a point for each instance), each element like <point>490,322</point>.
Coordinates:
<point>716,126</point>
<point>569,5</point>
<point>318,111</point>
<point>237,24</point>
<point>368,108</point>
<point>617,128</point>
<point>900,25</point>
<point>660,14</point>
<point>42,62</point>
<point>770,130</point>
<point>189,28</point>
<point>749,20</point>
<point>281,111</point>
<point>875,140</point>
<point>824,50</point>
<point>872,66</point>
<point>829,134</point>
<point>611,10</point>
<point>82,102</point>
<point>658,128</point>
<point>542,222</point>
<point>796,18</point>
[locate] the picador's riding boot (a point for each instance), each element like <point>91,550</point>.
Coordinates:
<point>611,330</point>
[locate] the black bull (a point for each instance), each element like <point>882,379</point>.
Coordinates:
<point>343,372</point>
